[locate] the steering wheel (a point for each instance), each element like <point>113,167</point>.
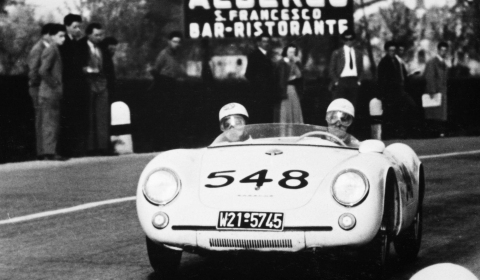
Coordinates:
<point>324,133</point>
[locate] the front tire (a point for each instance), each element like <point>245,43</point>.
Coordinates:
<point>407,244</point>
<point>378,251</point>
<point>163,260</point>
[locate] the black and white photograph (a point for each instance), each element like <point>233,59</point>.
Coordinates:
<point>239,139</point>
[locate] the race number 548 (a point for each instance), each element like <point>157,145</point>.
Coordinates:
<point>292,179</point>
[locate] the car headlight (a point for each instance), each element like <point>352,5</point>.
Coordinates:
<point>350,188</point>
<point>161,186</point>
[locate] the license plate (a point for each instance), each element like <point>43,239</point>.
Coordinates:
<point>250,220</point>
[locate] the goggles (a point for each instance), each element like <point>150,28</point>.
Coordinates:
<point>338,116</point>
<point>233,121</point>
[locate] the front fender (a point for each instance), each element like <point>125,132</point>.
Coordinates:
<point>184,162</point>
<point>369,212</point>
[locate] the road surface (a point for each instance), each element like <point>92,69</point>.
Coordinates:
<point>105,241</point>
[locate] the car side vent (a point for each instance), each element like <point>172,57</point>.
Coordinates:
<point>249,243</point>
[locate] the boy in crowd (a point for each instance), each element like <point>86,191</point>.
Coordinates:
<point>50,95</point>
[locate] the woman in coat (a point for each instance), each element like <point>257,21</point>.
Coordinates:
<point>290,81</point>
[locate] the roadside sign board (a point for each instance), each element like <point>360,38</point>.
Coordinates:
<point>275,18</point>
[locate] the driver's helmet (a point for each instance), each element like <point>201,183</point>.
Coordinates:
<point>340,110</point>
<point>232,115</point>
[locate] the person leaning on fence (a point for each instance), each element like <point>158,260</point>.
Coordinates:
<point>168,69</point>
<point>34,61</point>
<point>50,95</point>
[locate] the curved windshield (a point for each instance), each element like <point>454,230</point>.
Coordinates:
<point>275,133</point>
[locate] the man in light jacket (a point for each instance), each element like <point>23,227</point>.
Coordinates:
<point>50,94</point>
<point>34,61</point>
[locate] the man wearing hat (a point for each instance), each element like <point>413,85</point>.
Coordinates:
<point>346,69</point>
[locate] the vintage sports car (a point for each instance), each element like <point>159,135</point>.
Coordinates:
<point>283,188</point>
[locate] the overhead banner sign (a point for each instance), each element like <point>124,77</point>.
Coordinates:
<point>276,18</point>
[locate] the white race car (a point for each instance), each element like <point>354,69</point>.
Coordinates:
<point>283,188</point>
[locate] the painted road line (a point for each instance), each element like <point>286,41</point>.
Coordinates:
<point>119,200</point>
<point>65,210</point>
<point>40,164</point>
<point>450,154</point>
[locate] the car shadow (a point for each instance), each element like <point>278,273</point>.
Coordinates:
<point>277,266</point>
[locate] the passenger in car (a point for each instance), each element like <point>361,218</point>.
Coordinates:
<point>340,115</point>
<point>233,118</point>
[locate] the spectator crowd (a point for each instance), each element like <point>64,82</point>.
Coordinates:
<point>72,78</point>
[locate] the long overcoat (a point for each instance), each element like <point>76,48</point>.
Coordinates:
<point>436,82</point>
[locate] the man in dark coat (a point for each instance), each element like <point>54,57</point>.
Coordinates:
<point>346,70</point>
<point>74,104</point>
<point>436,75</point>
<point>92,58</point>
<point>391,88</point>
<point>261,74</point>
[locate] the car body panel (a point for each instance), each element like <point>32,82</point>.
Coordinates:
<point>247,160</point>
<point>311,214</point>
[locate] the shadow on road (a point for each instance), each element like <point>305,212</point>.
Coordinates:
<point>273,266</point>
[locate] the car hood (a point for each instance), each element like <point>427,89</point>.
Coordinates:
<point>240,168</point>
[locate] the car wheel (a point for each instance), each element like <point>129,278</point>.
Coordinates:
<point>163,260</point>
<point>378,251</point>
<point>379,248</point>
<point>407,244</point>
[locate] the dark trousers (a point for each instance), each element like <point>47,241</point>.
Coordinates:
<point>401,117</point>
<point>347,88</point>
<point>165,122</point>
<point>261,102</point>
<point>74,119</point>
<point>33,91</point>
<point>261,111</point>
<point>99,115</point>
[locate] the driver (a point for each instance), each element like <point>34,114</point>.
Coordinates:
<point>233,118</point>
<point>339,117</point>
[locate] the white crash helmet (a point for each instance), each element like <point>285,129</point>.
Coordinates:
<point>340,112</point>
<point>342,105</point>
<point>232,109</point>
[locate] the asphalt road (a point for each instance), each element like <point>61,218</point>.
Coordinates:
<point>106,242</point>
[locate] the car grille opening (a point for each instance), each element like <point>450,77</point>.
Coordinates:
<point>250,243</point>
